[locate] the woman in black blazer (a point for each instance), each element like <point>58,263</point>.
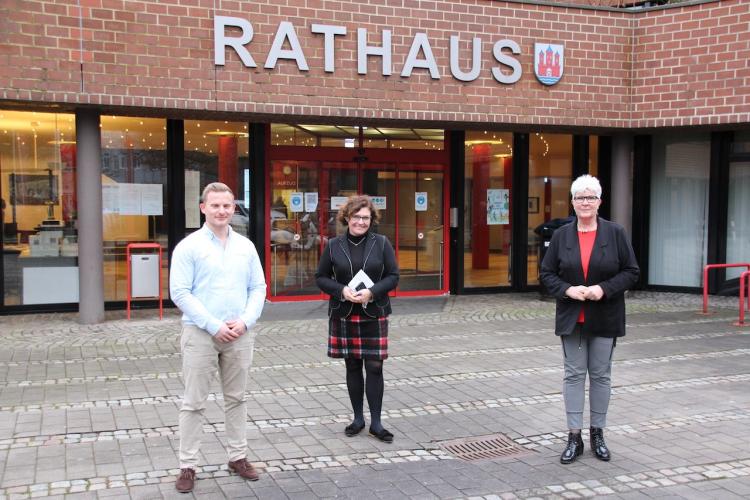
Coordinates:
<point>358,309</point>
<point>588,267</point>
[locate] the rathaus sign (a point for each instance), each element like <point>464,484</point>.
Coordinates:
<point>508,70</point>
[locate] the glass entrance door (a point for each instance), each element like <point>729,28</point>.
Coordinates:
<point>421,228</point>
<point>302,219</point>
<point>305,197</point>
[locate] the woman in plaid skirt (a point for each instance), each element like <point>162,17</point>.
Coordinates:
<point>358,316</point>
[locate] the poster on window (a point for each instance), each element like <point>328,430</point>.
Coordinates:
<point>420,201</point>
<point>130,199</point>
<point>498,206</point>
<point>295,202</point>
<point>151,199</point>
<point>110,199</point>
<point>379,202</point>
<point>338,202</point>
<point>311,201</point>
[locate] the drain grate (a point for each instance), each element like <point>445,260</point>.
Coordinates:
<point>477,448</point>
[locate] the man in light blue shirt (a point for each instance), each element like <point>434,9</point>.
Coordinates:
<point>217,282</point>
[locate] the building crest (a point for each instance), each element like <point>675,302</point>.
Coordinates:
<point>548,62</point>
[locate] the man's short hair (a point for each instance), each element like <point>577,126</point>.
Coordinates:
<point>215,187</point>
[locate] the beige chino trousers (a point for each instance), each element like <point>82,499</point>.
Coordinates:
<point>202,357</point>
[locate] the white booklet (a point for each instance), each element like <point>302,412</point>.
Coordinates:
<point>360,281</point>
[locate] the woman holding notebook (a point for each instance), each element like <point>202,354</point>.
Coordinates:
<point>357,270</point>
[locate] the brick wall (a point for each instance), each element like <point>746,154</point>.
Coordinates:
<point>159,55</point>
<point>691,65</point>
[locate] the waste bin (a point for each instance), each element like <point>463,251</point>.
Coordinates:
<point>545,232</point>
<point>144,275</point>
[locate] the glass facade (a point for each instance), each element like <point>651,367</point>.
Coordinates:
<point>594,155</point>
<point>305,198</point>
<point>738,205</point>
<point>217,151</point>
<point>38,191</point>
<point>678,232</point>
<point>487,208</point>
<point>134,195</point>
<point>405,168</point>
<point>550,171</point>
<point>341,136</point>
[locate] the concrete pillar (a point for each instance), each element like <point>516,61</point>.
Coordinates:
<point>90,232</point>
<point>622,181</point>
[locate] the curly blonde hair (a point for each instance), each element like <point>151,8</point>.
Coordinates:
<point>353,205</point>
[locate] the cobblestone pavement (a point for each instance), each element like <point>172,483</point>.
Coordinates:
<point>91,411</point>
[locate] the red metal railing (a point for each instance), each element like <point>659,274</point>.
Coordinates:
<point>744,282</point>
<point>705,279</point>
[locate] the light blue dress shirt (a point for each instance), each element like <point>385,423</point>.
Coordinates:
<point>212,283</point>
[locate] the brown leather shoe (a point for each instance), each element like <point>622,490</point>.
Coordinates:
<point>244,469</point>
<point>185,481</point>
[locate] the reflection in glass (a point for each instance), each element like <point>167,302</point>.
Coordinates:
<point>550,171</point>
<point>487,228</point>
<point>421,228</point>
<point>342,136</point>
<point>134,194</point>
<point>679,209</point>
<point>594,155</point>
<point>38,205</point>
<point>217,151</point>
<point>305,199</point>
<point>738,205</point>
<point>738,216</point>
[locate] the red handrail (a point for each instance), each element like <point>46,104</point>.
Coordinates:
<point>705,279</point>
<point>744,281</point>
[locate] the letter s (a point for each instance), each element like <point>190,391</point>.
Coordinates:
<point>507,60</point>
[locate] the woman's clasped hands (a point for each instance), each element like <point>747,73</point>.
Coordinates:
<point>583,292</point>
<point>358,297</point>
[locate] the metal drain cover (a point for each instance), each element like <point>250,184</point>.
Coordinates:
<point>476,448</point>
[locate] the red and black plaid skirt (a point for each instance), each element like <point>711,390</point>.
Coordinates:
<point>358,337</point>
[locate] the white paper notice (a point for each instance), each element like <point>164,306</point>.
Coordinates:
<point>338,202</point>
<point>110,198</point>
<point>151,199</point>
<point>311,201</point>
<point>130,199</point>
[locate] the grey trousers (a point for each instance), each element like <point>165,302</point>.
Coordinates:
<point>593,355</point>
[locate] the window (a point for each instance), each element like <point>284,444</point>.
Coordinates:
<point>38,191</point>
<point>134,194</point>
<point>679,209</point>
<point>488,168</point>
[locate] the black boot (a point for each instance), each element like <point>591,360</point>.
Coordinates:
<point>573,448</point>
<point>598,446</point>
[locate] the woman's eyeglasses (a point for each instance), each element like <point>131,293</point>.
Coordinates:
<point>360,218</point>
<point>589,199</point>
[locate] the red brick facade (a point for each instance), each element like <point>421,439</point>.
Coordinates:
<point>685,65</point>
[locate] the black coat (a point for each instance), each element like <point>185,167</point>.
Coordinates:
<point>612,266</point>
<point>335,272</point>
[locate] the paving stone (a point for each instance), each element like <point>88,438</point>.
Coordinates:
<point>94,407</point>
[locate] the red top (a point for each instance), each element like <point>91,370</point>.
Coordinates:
<point>586,242</point>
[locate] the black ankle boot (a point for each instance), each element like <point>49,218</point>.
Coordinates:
<point>573,449</point>
<point>598,446</point>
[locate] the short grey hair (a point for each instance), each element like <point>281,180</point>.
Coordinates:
<point>585,182</point>
<point>215,187</point>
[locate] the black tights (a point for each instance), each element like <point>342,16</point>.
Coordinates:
<point>355,383</point>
